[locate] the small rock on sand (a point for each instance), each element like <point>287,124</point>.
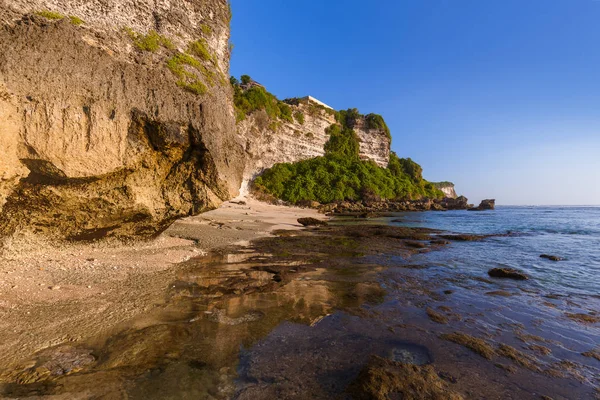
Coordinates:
<point>311,222</point>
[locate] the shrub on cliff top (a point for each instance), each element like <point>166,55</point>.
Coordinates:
<point>257,98</point>
<point>376,121</point>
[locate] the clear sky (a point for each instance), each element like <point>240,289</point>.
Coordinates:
<point>501,97</point>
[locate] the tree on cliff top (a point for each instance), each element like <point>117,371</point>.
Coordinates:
<point>245,79</point>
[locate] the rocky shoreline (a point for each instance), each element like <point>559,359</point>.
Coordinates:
<point>330,311</point>
<point>371,208</point>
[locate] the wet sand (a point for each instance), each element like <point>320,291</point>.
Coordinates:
<point>330,312</point>
<point>50,294</point>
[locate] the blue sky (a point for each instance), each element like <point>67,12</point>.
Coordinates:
<point>500,97</point>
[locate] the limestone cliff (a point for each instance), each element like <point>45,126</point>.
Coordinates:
<point>116,116</point>
<point>268,141</point>
<point>447,188</point>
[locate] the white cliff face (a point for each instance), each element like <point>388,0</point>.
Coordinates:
<point>374,144</point>
<point>447,188</point>
<point>268,143</point>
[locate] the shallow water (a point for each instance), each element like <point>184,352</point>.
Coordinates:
<point>299,317</point>
<point>572,233</point>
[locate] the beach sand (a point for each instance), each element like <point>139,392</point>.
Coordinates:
<point>53,294</point>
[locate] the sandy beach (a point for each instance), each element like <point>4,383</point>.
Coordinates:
<point>54,294</point>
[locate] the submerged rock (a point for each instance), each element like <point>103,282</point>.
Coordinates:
<point>551,258</point>
<point>477,345</point>
<point>510,273</point>
<point>382,379</point>
<point>311,222</point>
<point>54,362</point>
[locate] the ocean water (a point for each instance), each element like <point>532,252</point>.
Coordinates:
<point>572,233</point>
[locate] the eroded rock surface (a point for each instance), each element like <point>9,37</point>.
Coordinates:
<point>98,138</point>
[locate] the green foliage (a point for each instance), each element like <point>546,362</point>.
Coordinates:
<point>285,112</point>
<point>196,87</point>
<point>442,184</point>
<point>376,121</point>
<point>245,79</point>
<point>257,98</point>
<point>343,143</point>
<point>406,166</point>
<point>76,20</point>
<point>188,80</point>
<point>348,118</point>
<point>206,29</point>
<point>299,116</point>
<point>57,16</point>
<point>200,49</point>
<point>150,42</point>
<point>50,15</point>
<point>178,61</point>
<point>233,80</point>
<point>342,175</point>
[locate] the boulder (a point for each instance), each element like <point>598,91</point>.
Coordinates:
<point>488,204</point>
<point>459,203</point>
<point>509,273</point>
<point>311,222</point>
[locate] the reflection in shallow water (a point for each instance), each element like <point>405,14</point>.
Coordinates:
<point>190,347</point>
<point>300,317</point>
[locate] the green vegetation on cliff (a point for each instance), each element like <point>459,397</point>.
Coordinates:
<point>256,97</point>
<point>197,68</point>
<point>152,41</point>
<point>52,15</point>
<point>372,121</point>
<point>342,175</point>
<point>187,80</point>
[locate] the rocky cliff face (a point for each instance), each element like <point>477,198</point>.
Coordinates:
<point>108,127</point>
<point>269,142</point>
<point>447,188</point>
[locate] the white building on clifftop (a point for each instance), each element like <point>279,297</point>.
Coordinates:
<point>311,99</point>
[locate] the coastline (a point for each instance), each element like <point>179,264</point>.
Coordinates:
<point>50,295</point>
<point>286,312</point>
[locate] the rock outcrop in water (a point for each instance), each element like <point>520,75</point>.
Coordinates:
<point>116,117</point>
<point>484,205</point>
